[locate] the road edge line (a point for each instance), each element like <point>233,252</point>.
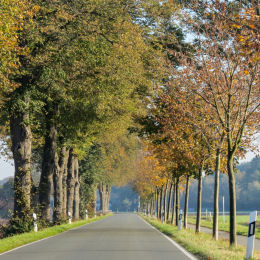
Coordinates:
<point>34,242</point>
<point>187,253</point>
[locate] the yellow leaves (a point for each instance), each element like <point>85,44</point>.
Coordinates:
<point>36,8</point>
<point>236,26</point>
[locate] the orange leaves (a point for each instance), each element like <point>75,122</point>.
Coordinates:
<point>12,16</point>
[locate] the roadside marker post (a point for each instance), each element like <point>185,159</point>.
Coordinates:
<point>35,227</point>
<point>210,216</point>
<point>251,235</point>
<point>86,214</point>
<point>69,215</point>
<point>180,220</point>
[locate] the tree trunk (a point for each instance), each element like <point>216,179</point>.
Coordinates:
<point>108,190</point>
<point>177,203</point>
<point>164,203</point>
<point>154,205</point>
<point>216,196</point>
<point>186,206</point>
<point>58,187</point>
<point>64,165</point>
<point>157,203</point>
<point>169,202</point>
<point>104,194</point>
<point>199,201</point>
<point>77,187</point>
<point>50,165</point>
<point>160,201</point>
<point>232,200</point>
<point>21,148</point>
<point>95,201</point>
<point>70,182</point>
<point>173,200</point>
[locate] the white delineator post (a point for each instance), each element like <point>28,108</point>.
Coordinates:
<point>69,215</point>
<point>180,220</point>
<point>86,214</point>
<point>35,227</point>
<point>251,235</point>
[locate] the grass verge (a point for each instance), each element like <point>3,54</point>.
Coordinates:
<point>242,224</point>
<point>9,243</point>
<point>201,245</point>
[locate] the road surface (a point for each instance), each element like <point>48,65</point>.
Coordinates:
<point>122,236</point>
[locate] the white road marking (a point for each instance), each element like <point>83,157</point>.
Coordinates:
<point>188,254</point>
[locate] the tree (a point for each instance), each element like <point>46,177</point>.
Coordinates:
<point>225,79</point>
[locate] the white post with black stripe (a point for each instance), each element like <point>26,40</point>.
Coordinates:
<point>251,235</point>
<point>69,215</point>
<point>35,227</point>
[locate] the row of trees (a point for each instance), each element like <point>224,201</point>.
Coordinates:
<point>72,75</point>
<point>77,77</point>
<point>206,114</point>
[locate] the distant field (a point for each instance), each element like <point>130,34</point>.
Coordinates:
<point>242,224</point>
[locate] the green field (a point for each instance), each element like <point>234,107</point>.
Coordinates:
<point>202,245</point>
<point>242,224</point>
<point>26,238</point>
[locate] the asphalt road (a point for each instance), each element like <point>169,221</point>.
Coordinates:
<point>122,236</point>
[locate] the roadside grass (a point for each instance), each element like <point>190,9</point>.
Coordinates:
<point>201,245</point>
<point>9,243</point>
<point>242,224</point>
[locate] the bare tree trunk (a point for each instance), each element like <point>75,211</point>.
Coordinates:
<point>199,201</point>
<point>49,166</point>
<point>102,196</point>
<point>157,203</point>
<point>108,196</point>
<point>151,206</point>
<point>95,201</point>
<point>177,203</point>
<point>154,203</point>
<point>164,203</point>
<point>58,188</point>
<point>173,200</point>
<point>64,168</point>
<point>232,200</point>
<point>169,202</point>
<point>216,196</point>
<point>160,201</point>
<point>77,186</point>
<point>21,148</point>
<point>70,182</point>
<point>186,207</point>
